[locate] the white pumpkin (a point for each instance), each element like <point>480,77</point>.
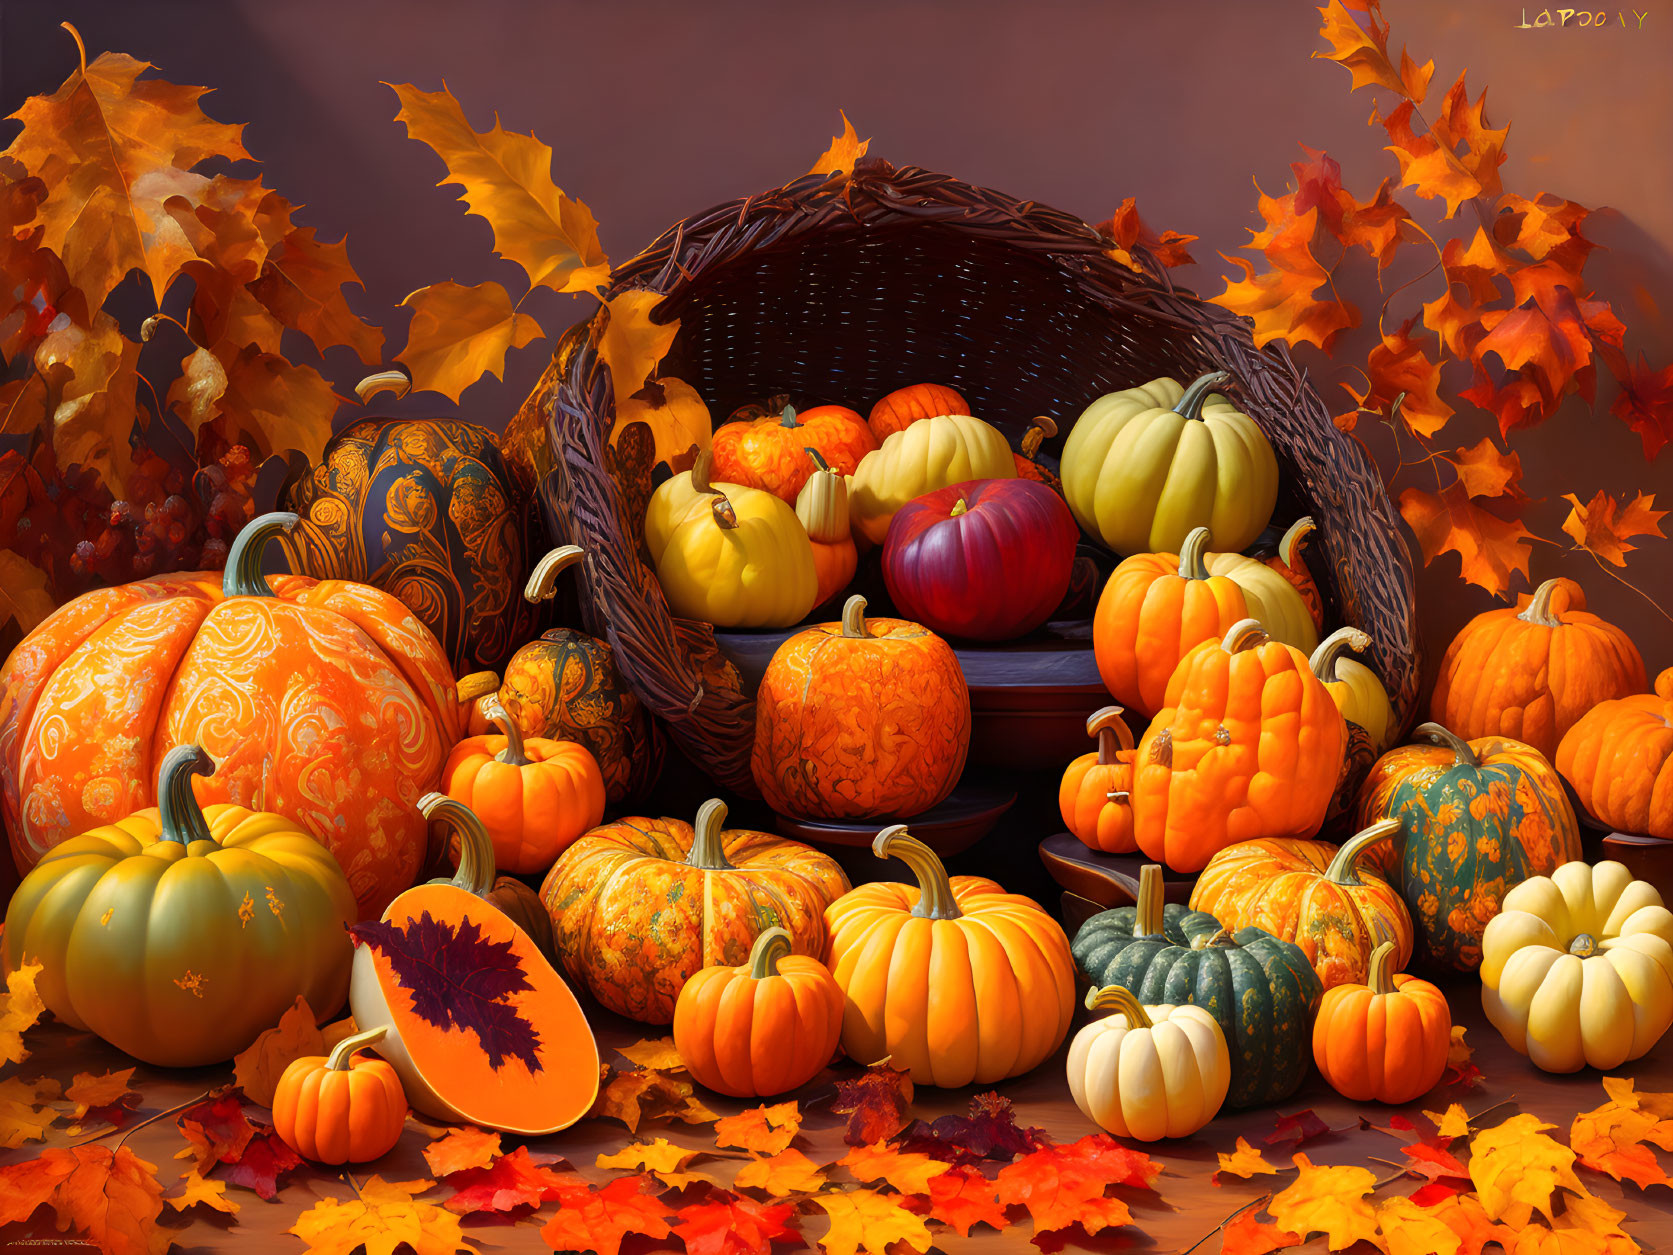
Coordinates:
<point>1148,1072</point>
<point>1577,967</point>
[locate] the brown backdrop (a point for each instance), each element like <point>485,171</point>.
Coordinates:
<point>656,109</point>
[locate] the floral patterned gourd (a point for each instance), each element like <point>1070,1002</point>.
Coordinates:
<point>1477,818</point>
<point>640,905</point>
<point>1095,796</point>
<point>866,718</point>
<point>324,701</point>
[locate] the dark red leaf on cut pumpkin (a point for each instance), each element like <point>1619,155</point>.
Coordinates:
<point>990,1131</point>
<point>1297,1129</point>
<point>264,1160</point>
<point>875,1102</point>
<point>459,979</point>
<point>733,1224</point>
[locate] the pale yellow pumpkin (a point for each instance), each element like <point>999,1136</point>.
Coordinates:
<point>1145,465</point>
<point>1354,687</point>
<point>1577,967</point>
<point>1271,598</point>
<point>741,559</point>
<point>1148,1072</point>
<point>932,453</point>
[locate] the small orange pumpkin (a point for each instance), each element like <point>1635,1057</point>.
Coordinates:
<point>860,719</point>
<point>338,1109</point>
<point>1386,1040</point>
<point>762,1029</point>
<point>1249,745</point>
<point>534,796</point>
<point>771,452</point>
<point>1530,673</point>
<point>1619,758</point>
<point>1095,797</point>
<point>905,406</point>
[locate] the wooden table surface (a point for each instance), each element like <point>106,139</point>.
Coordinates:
<point>1184,1207</point>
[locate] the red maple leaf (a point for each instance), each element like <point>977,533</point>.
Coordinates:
<point>1433,1192</point>
<point>732,1224</point>
<point>1434,1161</point>
<point>1645,404</point>
<point>1063,1186</point>
<point>1297,1129</point>
<point>876,1103</point>
<point>597,1220</point>
<point>217,1128</point>
<point>1247,1235</point>
<point>962,1198</point>
<point>263,1161</point>
<point>513,1180</point>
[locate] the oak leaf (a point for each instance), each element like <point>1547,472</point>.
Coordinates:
<point>1603,525</point>
<point>289,407</point>
<point>1246,1234</point>
<point>963,1197</point>
<point>1126,229</point>
<point>26,599</point>
<point>869,1221</point>
<point>788,1172</point>
<point>1645,404</point>
<point>257,1068</point>
<point>458,334</point>
<point>26,1112</point>
<point>511,1181</point>
<point>462,1148</point>
<point>196,1191</point>
<point>383,1216</point>
<point>876,1103</point>
<point>764,1129</point>
<point>301,285</point>
<point>1491,548</point>
<point>657,1053</point>
<point>597,1220</point>
<point>1408,1229</point>
<point>20,1006</point>
<point>1332,1201</point>
<point>906,1171</point>
<point>1517,1168</point>
<point>215,1129</point>
<point>1246,1161</point>
<point>632,342</point>
<point>507,179</point>
<point>733,1224</point>
<point>845,151</point>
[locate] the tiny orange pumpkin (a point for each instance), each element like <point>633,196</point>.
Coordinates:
<point>1386,1040</point>
<point>339,1109</point>
<point>1095,797</point>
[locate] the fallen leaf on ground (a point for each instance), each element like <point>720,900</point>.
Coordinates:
<point>1460,1071</point>
<point>598,1219</point>
<point>765,1129</point>
<point>1297,1129</point>
<point>990,1131</point>
<point>1408,1229</point>
<point>788,1172</point>
<point>661,1158</point>
<point>261,1164</point>
<point>462,1148</point>
<point>1247,1234</point>
<point>876,1103</point>
<point>513,1180</point>
<point>1246,1161</point>
<point>195,1190</point>
<point>906,1171</point>
<point>963,1197</point>
<point>215,1129</point>
<point>87,1091</point>
<point>1330,1200</point>
<point>384,1215</point>
<point>1450,1123</point>
<point>112,1198</point>
<point>638,1094</point>
<point>1433,1162</point>
<point>1463,1214</point>
<point>732,1224</point>
<point>20,1008</point>
<point>869,1221</point>
<point>1064,1186</point>
<point>26,1112</point>
<point>1517,1168</point>
<point>1611,1138</point>
<point>656,1054</point>
<point>257,1069</point>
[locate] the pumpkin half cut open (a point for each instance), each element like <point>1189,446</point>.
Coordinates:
<point>481,1028</point>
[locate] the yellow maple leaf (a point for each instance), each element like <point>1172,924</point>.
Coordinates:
<point>1611,1138</point>
<point>458,334</point>
<point>678,418</point>
<point>288,407</point>
<point>385,1215</point>
<point>1450,1123</point>
<point>94,374</point>
<point>507,179</point>
<point>907,1171</point>
<point>24,1112</point>
<point>845,150</point>
<point>1410,1230</point>
<point>24,597</point>
<point>1516,1168</point>
<point>1246,1161</point>
<point>656,1053</point>
<point>1333,1201</point>
<point>657,1157</point>
<point>765,1129</point>
<point>20,1006</point>
<point>87,1091</point>
<point>195,394</point>
<point>631,344</point>
<point>196,1190</point>
<point>257,1069</point>
<point>461,1148</point>
<point>865,1220</point>
<point>788,1172</point>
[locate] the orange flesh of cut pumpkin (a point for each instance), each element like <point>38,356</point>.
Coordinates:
<point>453,1060</point>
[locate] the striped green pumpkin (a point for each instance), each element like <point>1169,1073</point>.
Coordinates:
<point>1262,991</point>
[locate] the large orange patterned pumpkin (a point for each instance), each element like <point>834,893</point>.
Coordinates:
<point>323,701</point>
<point>1249,745</point>
<point>1619,758</point>
<point>905,406</point>
<point>1530,673</point>
<point>771,452</point>
<point>640,905</point>
<point>860,719</point>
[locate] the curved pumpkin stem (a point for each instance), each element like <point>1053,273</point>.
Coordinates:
<point>1344,867</point>
<point>477,684</point>
<point>243,577</point>
<point>1221,939</point>
<point>935,891</point>
<point>1193,554</point>
<point>543,580</point>
<point>513,754</point>
<point>1190,404</point>
<point>1119,999</point>
<point>771,946</point>
<point>726,518</point>
<point>1289,546</point>
<point>854,618</point>
<point>341,1058</point>
<point>1437,735</point>
<point>1380,972</point>
<point>179,817</point>
<point>1323,661</point>
<point>1149,918</point>
<point>1244,634</point>
<point>1041,428</point>
<point>476,848</point>
<point>1538,610</point>
<point>702,471</point>
<point>395,381</point>
<point>819,462</point>
<point>1112,732</point>
<point>708,851</point>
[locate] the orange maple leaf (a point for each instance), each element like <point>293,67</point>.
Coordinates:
<point>302,283</point>
<point>1064,1185</point>
<point>1282,302</point>
<point>1546,227</point>
<point>88,1091</point>
<point>597,1219</point>
<point>1611,1138</point>
<point>92,375</point>
<point>1602,526</point>
<point>1463,124</point>
<point>288,407</point>
<point>26,1110</point>
<point>871,1222</point>
<point>1363,50</point>
<point>462,1148</point>
<point>788,1172</point>
<point>1246,1161</point>
<point>765,1129</point>
<point>112,1198</point>
<point>1490,548</point>
<point>1517,1170</point>
<point>1333,1201</point>
<point>1246,1234</point>
<point>638,1094</point>
<point>962,1197</point>
<point>1486,471</point>
<point>845,151</point>
<point>907,1171</point>
<point>1426,165</point>
<point>1400,371</point>
<point>1477,267</point>
<point>1127,229</point>
<point>724,1223</point>
<point>257,1068</point>
<point>659,1054</point>
<point>20,1008</point>
<point>509,1182</point>
<point>459,333</point>
<point>1645,404</point>
<point>379,1211</point>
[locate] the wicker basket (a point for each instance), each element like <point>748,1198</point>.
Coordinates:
<point>841,289</point>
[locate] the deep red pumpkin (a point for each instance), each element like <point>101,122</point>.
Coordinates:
<point>987,560</point>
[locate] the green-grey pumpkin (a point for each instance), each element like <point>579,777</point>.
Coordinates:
<point>1261,990</point>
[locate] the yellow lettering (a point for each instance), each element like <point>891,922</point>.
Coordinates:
<point>1584,19</point>
<point>1544,18</point>
<point>1641,17</point>
<point>1563,16</point>
<point>1523,24</point>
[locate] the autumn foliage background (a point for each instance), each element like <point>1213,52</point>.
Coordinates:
<point>1052,102</point>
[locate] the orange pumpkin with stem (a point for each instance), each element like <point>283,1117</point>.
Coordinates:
<point>822,507</point>
<point>1286,559</point>
<point>534,796</point>
<point>338,1108</point>
<point>952,979</point>
<point>860,719</point>
<point>1530,673</point>
<point>1155,609</point>
<point>1095,797</point>
<point>1385,1040</point>
<point>905,406</point>
<point>1249,745</point>
<point>762,1029</point>
<point>771,452</point>
<point>324,701</point>
<point>1619,758</point>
